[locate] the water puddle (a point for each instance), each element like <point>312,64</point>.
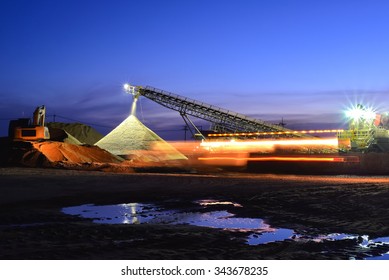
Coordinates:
<point>207,213</point>
<point>383,257</point>
<point>280,234</point>
<point>137,213</point>
<point>126,213</point>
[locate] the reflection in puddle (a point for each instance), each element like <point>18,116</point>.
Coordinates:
<point>128,213</point>
<point>211,202</point>
<point>329,237</point>
<point>383,257</point>
<point>259,231</point>
<point>280,234</point>
<point>137,213</point>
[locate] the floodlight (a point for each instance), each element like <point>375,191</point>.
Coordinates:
<point>130,89</point>
<point>359,112</point>
<point>369,114</point>
<point>355,113</point>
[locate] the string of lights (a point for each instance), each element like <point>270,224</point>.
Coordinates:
<point>275,133</point>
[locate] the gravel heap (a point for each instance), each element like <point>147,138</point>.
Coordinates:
<point>83,133</point>
<point>133,140</point>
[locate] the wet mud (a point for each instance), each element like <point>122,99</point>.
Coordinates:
<point>34,226</point>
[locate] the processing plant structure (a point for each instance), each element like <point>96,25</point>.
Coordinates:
<point>238,140</point>
<point>368,131</point>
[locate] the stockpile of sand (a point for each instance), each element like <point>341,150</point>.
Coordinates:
<point>65,152</point>
<point>55,154</point>
<point>133,140</point>
<point>83,133</point>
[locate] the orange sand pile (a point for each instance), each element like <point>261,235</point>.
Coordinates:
<point>58,154</point>
<point>65,152</point>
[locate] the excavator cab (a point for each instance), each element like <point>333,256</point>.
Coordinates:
<point>24,130</point>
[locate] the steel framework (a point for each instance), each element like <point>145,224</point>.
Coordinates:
<point>222,120</point>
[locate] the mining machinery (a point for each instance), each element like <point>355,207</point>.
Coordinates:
<point>368,131</point>
<point>24,129</point>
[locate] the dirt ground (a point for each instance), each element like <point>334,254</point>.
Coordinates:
<point>32,225</point>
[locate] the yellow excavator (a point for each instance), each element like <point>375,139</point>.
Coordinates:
<point>25,130</point>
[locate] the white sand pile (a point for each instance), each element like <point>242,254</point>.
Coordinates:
<point>133,140</point>
<point>83,133</point>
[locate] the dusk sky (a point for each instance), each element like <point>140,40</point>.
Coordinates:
<point>304,61</point>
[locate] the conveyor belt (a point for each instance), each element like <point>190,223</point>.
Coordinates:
<point>223,120</point>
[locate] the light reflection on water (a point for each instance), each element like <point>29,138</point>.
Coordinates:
<point>259,231</point>
<point>137,213</point>
<point>279,234</point>
<point>126,213</point>
<point>383,257</point>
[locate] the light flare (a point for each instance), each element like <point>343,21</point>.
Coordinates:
<point>235,160</point>
<point>236,153</point>
<point>360,112</point>
<point>268,144</point>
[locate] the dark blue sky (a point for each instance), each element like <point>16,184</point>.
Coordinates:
<point>305,61</point>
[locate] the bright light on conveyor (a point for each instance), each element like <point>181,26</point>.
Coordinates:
<point>130,89</point>
<point>359,112</point>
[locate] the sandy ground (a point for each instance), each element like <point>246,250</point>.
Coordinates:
<point>32,225</point>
